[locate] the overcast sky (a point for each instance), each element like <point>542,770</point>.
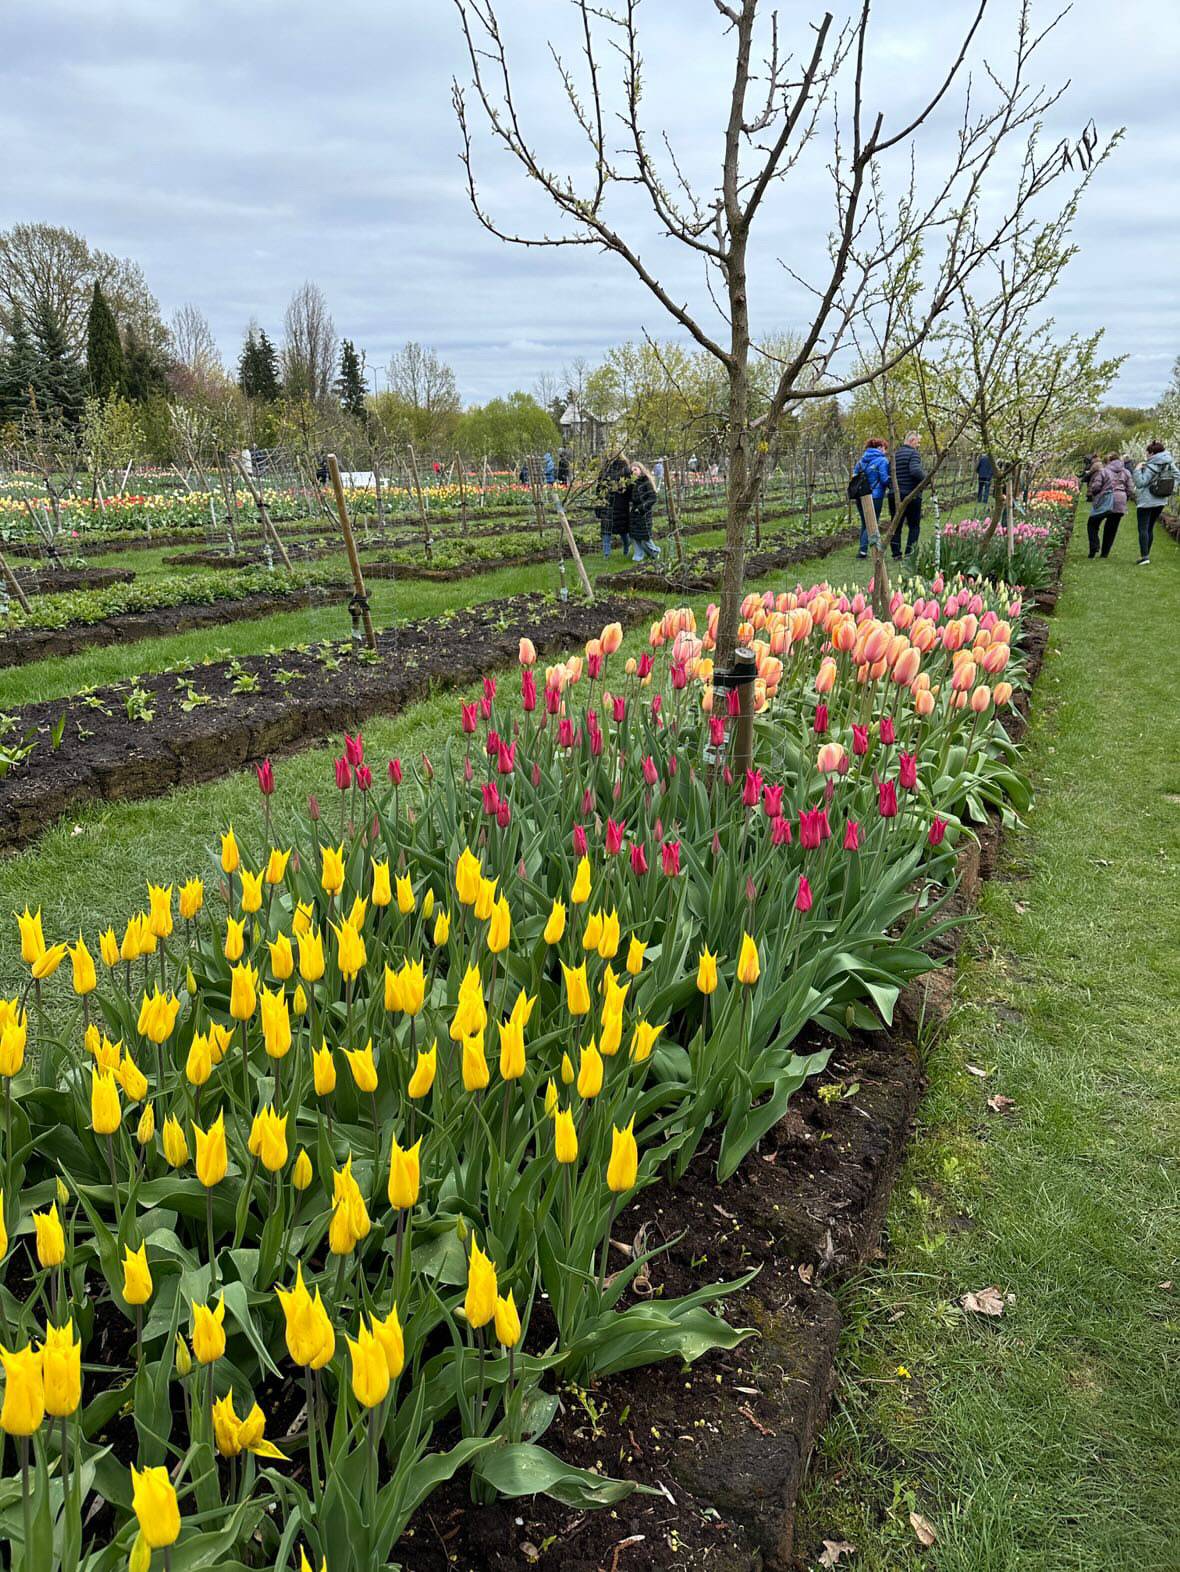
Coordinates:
<point>236,150</point>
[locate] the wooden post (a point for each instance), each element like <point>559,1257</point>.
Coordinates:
<point>880,571</point>
<point>1011,527</point>
<point>13,583</point>
<point>536,483</point>
<point>745,669</point>
<point>572,544</point>
<point>810,488</point>
<point>264,519</point>
<point>426,540</point>
<point>673,512</point>
<point>360,600</point>
<point>483,482</point>
<point>462,494</point>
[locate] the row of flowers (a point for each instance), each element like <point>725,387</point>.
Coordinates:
<point>311,1166</point>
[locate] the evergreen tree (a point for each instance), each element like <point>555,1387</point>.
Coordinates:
<point>104,351</point>
<point>20,370</point>
<point>258,366</point>
<point>143,375</point>
<point>350,384</point>
<point>60,381</point>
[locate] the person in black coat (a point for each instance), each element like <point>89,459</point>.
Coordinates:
<point>985,470</point>
<point>643,504</point>
<point>909,474</point>
<point>613,509</point>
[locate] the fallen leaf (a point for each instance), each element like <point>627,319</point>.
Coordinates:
<point>973,1069</point>
<point>985,1301</point>
<point>833,1550</point>
<point>807,1273</point>
<point>1021,907</point>
<point>1001,1104</point>
<point>923,1529</point>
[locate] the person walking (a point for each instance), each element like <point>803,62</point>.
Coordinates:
<point>642,507</point>
<point>1155,481</point>
<point>565,470</point>
<point>985,471</point>
<point>1122,489</point>
<point>613,510</point>
<point>549,469</point>
<point>909,475</point>
<point>1100,490</point>
<point>872,472</point>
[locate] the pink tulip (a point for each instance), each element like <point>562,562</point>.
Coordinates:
<point>937,831</point>
<point>364,776</point>
<point>395,771</point>
<point>772,801</point>
<point>803,900</point>
<point>489,688</point>
<point>752,790</point>
<point>810,828</point>
<point>716,730</point>
<point>343,774</point>
<point>579,841</point>
<point>638,859</point>
<point>888,736</point>
<point>354,748</point>
<point>614,836</point>
<point>780,831</point>
<point>907,770</point>
<point>670,855</point>
<point>887,799</point>
<point>821,719</point>
<point>467,718</point>
<point>594,665</point>
<point>860,740</point>
<point>504,813</point>
<point>266,777</point>
<point>619,707</point>
<point>645,665</point>
<point>852,836</point>
<point>535,775</point>
<point>491,796</point>
<point>528,690</point>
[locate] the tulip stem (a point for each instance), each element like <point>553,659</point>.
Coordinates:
<point>212,1250</point>
<point>610,1223</point>
<point>139,1337</point>
<point>65,1462</point>
<point>114,1182</point>
<point>26,1504</point>
<point>311,1436</point>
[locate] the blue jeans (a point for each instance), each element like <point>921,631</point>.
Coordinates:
<point>984,491</point>
<point>644,548</point>
<point>607,540</point>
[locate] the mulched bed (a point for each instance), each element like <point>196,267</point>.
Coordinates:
<point>704,569</point>
<point>263,705</point>
<point>58,581</point>
<point>25,645</point>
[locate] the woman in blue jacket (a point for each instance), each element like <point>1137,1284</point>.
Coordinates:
<point>875,466</point>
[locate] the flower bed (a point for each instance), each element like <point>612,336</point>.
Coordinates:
<point>323,1153</point>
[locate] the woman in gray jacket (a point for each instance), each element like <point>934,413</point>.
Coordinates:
<point>1100,490</point>
<point>1155,482</point>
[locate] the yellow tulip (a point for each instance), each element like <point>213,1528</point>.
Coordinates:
<point>175,1144</point>
<point>707,972</point>
<point>551,1097</point>
<point>405,894</point>
<point>643,1040</point>
<point>132,1079</point>
<point>364,1070</point>
<point>590,1071</point>
<point>219,1040</point>
<point>405,1178</point>
<point>153,1500</point>
<point>14,1036</point>
<point>268,1139</point>
<point>624,1159</point>
<point>565,1136</point>
<point>580,893</point>
<point>577,991</point>
<point>230,856</point>
<point>198,1066</point>
<point>212,1156</point>
<point>192,898</point>
<point>567,1070</point>
<point>276,865</point>
<point>61,1370</point>
<point>323,1069</point>
<point>356,914</point>
<point>157,1016</point>
<point>468,875</point>
<point>555,926</point>
<point>45,965</point>
<point>507,1321</point>
<point>108,947</point>
<point>442,929</point>
<point>208,1331</point>
<point>311,1342</point>
<point>146,1128</point>
<point>748,967</point>
<point>301,923</point>
<point>137,1277</point>
<point>243,991</point>
<point>428,906</point>
<point>636,950</point>
<point>479,1306</point>
<point>393,989</point>
<point>370,1369</point>
<point>475,1064</point>
<point>393,1345</point>
<point>32,938</point>
<point>160,910</point>
<point>85,976</point>
<point>611,1035</point>
<point>106,1115</point>
<point>500,927</point>
<point>486,899</point>
<point>251,891</point>
<point>311,954</point>
<point>412,985</point>
<point>350,950</point>
<point>24,1391</point>
<point>608,943</point>
<point>235,942</point>
<point>424,1072</point>
<point>512,1061</point>
<point>382,894</point>
<point>301,1172</point>
<point>592,932</point>
<point>282,957</point>
<point>299,1001</point>
<point>276,1023</point>
<point>332,869</point>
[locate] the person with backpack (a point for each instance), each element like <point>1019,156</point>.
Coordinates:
<point>909,475</point>
<point>869,478</point>
<point>643,506</point>
<point>985,470</point>
<point>1100,490</point>
<point>1155,481</point>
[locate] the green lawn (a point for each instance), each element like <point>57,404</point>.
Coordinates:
<point>1049,1439</point>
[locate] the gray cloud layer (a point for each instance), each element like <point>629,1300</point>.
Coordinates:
<point>237,150</point>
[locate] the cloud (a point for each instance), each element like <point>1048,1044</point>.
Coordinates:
<point>236,150</point>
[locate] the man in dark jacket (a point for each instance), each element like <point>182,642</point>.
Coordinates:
<point>909,474</point>
<point>985,470</point>
<point>613,508</point>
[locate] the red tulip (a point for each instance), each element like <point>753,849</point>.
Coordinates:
<point>810,828</point>
<point>506,758</point>
<point>887,733</point>
<point>552,701</point>
<point>504,814</point>
<point>907,770</point>
<point>887,799</point>
<point>491,796</point>
<point>803,900</point>
<point>579,841</point>
<point>670,853</point>
<point>638,859</point>
<point>593,665</point>
<point>492,745</point>
<point>733,702</point>
<point>489,688</point>
<point>528,689</point>
<point>595,742</point>
<point>650,773</point>
<point>657,705</point>
<point>645,664</point>
<point>485,707</point>
<point>716,730</point>
<point>395,771</point>
<point>468,772</point>
<point>852,836</point>
<point>467,717</point>
<point>937,831</point>
<point>752,790</point>
<point>587,803</point>
<point>535,775</point>
<point>620,709</point>
<point>364,776</point>
<point>772,801</point>
<point>343,774</point>
<point>266,777</point>
<point>780,831</point>
<point>354,748</point>
<point>614,836</point>
<point>678,671</point>
<point>565,732</point>
<point>821,719</point>
<point>860,740</point>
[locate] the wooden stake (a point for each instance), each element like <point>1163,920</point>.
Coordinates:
<point>428,544</point>
<point>361,598</point>
<point>268,529</point>
<point>583,576</point>
<point>13,583</point>
<point>673,512</point>
<point>462,493</point>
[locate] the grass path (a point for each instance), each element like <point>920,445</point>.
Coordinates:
<point>1048,1440</point>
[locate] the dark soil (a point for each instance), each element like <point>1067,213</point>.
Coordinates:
<point>218,717</point>
<point>704,569</point>
<point>57,581</point>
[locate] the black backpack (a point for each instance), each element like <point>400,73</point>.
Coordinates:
<point>1163,481</point>
<point>860,485</point>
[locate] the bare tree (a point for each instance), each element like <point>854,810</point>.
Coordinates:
<point>969,198</point>
<point>309,345</point>
<point>45,267</point>
<point>197,366</point>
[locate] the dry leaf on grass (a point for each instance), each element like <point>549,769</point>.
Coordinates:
<point>985,1301</point>
<point>923,1529</point>
<point>973,1069</point>
<point>1001,1104</point>
<point>833,1550</point>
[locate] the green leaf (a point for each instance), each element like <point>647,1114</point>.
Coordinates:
<point>522,1468</point>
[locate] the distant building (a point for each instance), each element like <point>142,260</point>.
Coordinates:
<point>585,433</point>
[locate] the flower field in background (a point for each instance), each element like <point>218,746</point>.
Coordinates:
<point>977,548</point>
<point>310,1166</point>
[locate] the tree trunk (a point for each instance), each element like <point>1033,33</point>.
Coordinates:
<point>740,482</point>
